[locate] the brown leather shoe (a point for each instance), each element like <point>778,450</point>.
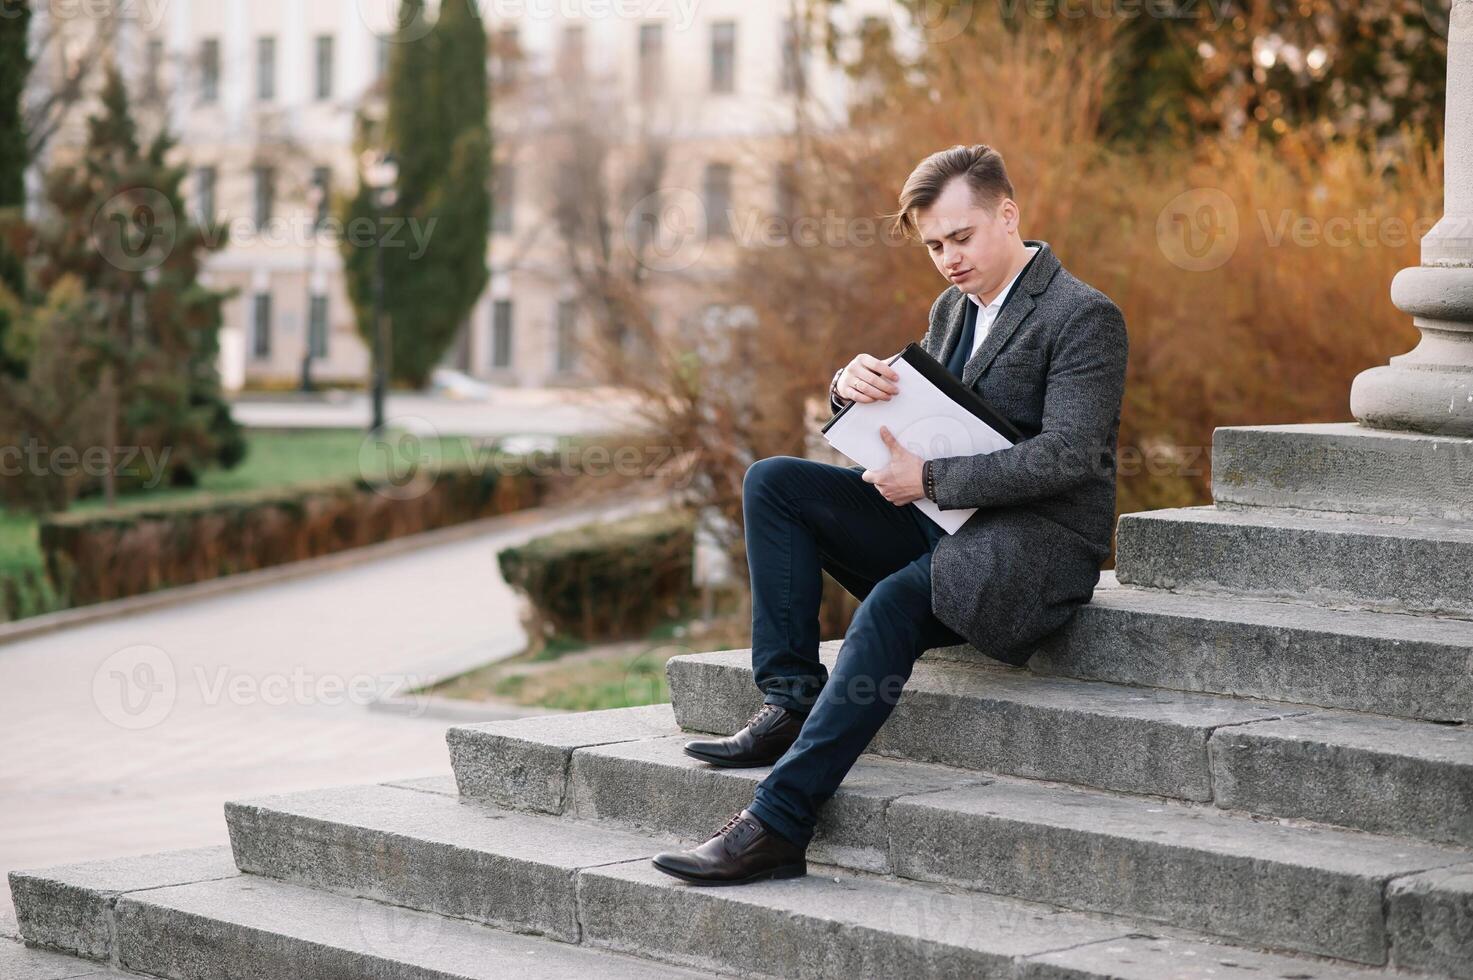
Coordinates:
<point>767,735</point>
<point>742,851</point>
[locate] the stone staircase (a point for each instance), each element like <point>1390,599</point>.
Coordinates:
<point>1247,757</point>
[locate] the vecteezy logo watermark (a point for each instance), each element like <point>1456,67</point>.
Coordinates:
<point>302,228</point>
<point>930,21</point>
<point>402,460</point>
<point>392,931</point>
<point>148,13</point>
<point>665,231</point>
<point>35,458</point>
<point>394,20</point>
<point>1439,15</point>
<point>1363,229</point>
<point>643,680</point>
<point>135,230</point>
<point>1198,229</point>
<point>301,687</point>
<point>136,687</point>
<point>387,19</point>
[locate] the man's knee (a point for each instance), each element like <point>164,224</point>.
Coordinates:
<point>766,474</point>
<point>904,596</point>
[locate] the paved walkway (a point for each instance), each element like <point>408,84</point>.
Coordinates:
<point>127,736</point>
<point>509,411</point>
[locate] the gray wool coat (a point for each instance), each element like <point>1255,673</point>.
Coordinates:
<point>1053,364</point>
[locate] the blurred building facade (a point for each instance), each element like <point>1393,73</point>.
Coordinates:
<point>694,108</point>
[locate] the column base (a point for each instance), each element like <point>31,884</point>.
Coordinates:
<point>1437,402</point>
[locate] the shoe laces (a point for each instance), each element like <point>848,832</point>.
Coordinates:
<point>735,819</point>
<point>760,713</point>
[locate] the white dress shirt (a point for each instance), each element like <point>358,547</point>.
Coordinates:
<point>988,313</point>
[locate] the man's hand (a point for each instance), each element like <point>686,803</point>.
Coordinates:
<point>867,379</point>
<point>900,482</point>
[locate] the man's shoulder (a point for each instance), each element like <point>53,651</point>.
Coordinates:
<point>1069,294</point>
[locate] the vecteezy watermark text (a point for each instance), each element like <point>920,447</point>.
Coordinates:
<point>34,458</point>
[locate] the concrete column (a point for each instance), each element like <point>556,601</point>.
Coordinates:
<point>1430,388</point>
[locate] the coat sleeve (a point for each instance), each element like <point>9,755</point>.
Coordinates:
<point>1083,391</point>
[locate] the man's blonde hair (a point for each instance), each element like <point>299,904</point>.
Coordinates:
<point>979,164</point>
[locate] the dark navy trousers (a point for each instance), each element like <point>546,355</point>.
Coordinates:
<point>803,517</point>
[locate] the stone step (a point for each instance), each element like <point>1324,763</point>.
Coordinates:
<point>1362,771</point>
<point>572,880</point>
<point>1298,886</point>
<point>70,907</point>
<point>1009,721</point>
<point>1386,775</point>
<point>1384,663</point>
<point>1409,565</point>
<point>1343,466</point>
<point>20,962</point>
<point>247,926</point>
<point>1003,720</point>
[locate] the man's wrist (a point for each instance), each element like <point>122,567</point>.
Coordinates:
<point>835,399</point>
<point>928,481</point>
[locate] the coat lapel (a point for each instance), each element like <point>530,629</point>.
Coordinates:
<point>953,333</point>
<point>1034,280</point>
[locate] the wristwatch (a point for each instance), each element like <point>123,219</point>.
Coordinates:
<point>836,401</point>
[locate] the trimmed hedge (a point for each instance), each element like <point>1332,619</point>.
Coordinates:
<point>606,580</point>
<point>97,555</point>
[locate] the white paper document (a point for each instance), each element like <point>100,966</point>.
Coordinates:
<point>923,419</point>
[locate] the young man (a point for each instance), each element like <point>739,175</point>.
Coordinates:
<point>1047,351</point>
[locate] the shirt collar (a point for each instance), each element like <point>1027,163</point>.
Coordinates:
<point>1002,294</point>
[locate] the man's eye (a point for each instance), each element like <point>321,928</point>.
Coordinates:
<point>960,240</point>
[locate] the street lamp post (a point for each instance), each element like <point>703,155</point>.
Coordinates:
<point>315,197</point>
<point>380,173</point>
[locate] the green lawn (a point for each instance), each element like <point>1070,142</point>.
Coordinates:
<point>274,459</point>
<point>17,542</point>
<point>593,677</point>
<point>284,459</point>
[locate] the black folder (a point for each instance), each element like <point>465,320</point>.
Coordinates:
<point>935,372</point>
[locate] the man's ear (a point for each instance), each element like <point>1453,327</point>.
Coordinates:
<point>1010,213</point>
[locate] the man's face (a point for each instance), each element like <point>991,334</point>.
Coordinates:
<point>968,245</point>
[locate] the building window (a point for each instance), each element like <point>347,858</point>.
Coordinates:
<point>209,70</point>
<point>567,349</point>
<point>261,326</point>
<point>508,53</point>
<point>785,189</point>
<point>651,59</point>
<point>204,194</point>
<point>265,68</point>
<point>265,194</point>
<point>571,54</point>
<point>324,66</point>
<point>321,194</point>
<point>717,186</point>
<point>503,193</point>
<point>646,213</point>
<point>153,65</point>
<point>317,326</point>
<point>501,333</point>
<point>723,56</point>
<point>794,57</point>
